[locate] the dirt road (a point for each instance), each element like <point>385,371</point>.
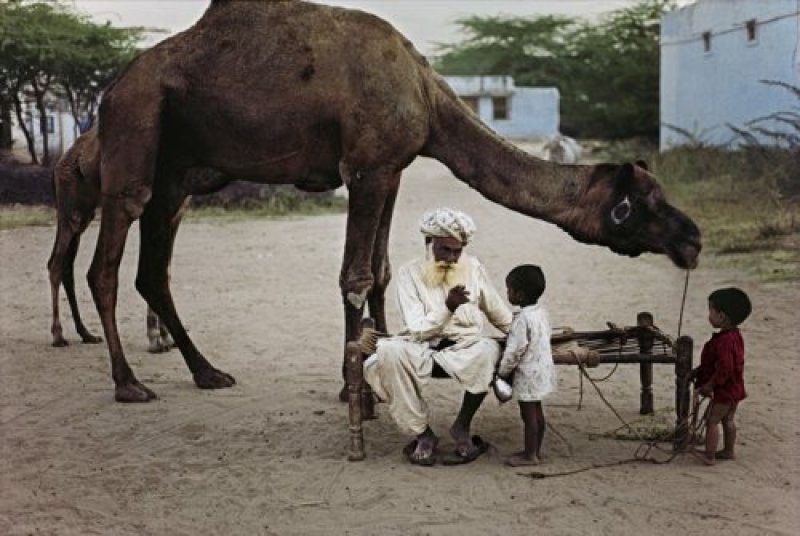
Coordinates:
<point>268,456</point>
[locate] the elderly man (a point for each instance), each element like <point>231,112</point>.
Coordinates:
<point>442,300</point>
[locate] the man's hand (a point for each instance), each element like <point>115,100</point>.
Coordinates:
<point>707,389</point>
<point>458,295</point>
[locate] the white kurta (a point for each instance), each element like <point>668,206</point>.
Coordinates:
<point>529,356</point>
<point>402,364</point>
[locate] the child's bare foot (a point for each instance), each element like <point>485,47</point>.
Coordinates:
<point>703,457</point>
<point>520,459</point>
<point>724,455</point>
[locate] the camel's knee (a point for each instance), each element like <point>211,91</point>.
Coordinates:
<point>383,276</point>
<point>356,289</point>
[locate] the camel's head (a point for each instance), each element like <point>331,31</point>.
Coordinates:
<point>635,217</point>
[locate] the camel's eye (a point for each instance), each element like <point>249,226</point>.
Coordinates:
<point>622,211</point>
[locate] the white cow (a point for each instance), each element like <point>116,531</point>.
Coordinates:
<point>562,149</point>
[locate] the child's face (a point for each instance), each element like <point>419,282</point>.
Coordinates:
<point>717,319</point>
<point>515,297</point>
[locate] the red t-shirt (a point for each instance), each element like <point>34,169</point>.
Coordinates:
<point>723,358</point>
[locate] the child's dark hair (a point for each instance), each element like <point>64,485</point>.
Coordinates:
<point>528,279</point>
<point>732,302</point>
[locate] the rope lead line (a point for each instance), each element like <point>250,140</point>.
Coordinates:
<point>683,302</point>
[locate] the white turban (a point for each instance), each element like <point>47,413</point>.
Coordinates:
<point>444,222</point>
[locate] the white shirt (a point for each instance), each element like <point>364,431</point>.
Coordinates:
<point>425,315</point>
<point>529,356</point>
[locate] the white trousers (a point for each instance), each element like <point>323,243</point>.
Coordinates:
<point>400,367</point>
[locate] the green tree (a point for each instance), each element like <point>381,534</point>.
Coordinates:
<point>47,50</point>
<point>528,49</point>
<point>607,72</point>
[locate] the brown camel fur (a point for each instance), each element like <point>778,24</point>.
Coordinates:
<point>76,187</point>
<point>298,93</point>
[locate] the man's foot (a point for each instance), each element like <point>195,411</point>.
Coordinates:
<point>703,457</point>
<point>466,452</point>
<point>463,440</point>
<point>724,455</point>
<point>520,459</point>
<point>421,451</point>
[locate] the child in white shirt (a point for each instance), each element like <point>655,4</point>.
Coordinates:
<point>528,357</point>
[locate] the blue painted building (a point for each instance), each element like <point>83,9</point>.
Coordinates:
<point>714,53</point>
<point>511,111</point>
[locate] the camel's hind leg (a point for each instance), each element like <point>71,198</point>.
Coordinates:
<point>117,215</point>
<point>55,266</point>
<point>61,269</point>
<point>69,286</point>
<point>129,135</point>
<point>158,226</point>
<point>158,336</point>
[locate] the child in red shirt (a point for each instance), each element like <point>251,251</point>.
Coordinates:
<point>721,369</point>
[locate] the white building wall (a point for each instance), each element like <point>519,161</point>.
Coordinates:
<point>532,112</point>
<point>61,138</point>
<point>703,91</point>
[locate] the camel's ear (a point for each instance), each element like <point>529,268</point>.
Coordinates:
<point>642,164</point>
<point>625,177</point>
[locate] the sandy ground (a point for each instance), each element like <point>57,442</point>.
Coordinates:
<point>268,456</point>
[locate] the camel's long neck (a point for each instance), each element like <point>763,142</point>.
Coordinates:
<point>497,169</point>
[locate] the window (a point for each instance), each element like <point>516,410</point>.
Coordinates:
<point>500,108</point>
<point>706,41</point>
<point>751,28</point>
<point>472,103</point>
<point>51,124</point>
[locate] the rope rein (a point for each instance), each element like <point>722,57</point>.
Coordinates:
<point>683,302</point>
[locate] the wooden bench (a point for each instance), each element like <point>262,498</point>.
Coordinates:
<point>619,345</point>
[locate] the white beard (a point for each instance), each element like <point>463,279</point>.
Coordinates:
<point>438,274</point>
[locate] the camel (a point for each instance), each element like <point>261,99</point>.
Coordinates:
<point>76,187</point>
<point>293,92</point>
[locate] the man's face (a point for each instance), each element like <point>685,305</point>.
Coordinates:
<point>446,249</point>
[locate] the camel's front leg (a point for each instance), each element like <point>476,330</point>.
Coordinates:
<point>159,225</point>
<point>370,193</point>
<point>381,268</point>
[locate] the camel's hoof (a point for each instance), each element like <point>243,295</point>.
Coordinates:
<point>212,378</point>
<point>91,339</point>
<point>133,392</point>
<point>60,343</point>
<point>344,394</point>
<point>158,347</point>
